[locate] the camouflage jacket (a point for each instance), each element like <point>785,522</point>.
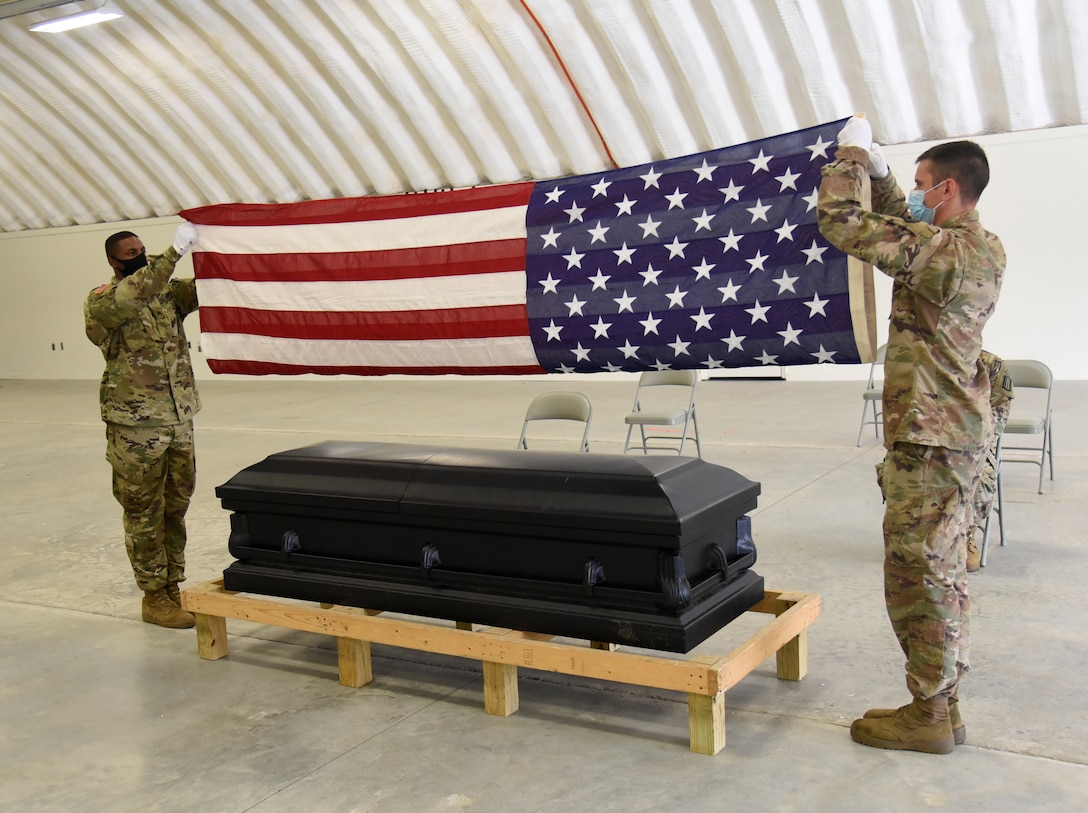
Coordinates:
<point>945,284</point>
<point>137,324</point>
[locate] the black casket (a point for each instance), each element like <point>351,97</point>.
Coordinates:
<point>649,551</point>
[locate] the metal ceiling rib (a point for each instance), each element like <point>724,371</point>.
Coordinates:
<point>183,103</point>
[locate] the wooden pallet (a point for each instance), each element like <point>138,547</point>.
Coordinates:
<point>705,678</point>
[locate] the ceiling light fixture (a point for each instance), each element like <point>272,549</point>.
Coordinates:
<point>99,15</point>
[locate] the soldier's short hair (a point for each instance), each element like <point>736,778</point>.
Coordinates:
<point>114,239</point>
<point>963,161</point>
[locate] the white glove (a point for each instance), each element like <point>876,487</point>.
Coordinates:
<point>857,132</point>
<point>878,164</point>
<point>184,238</point>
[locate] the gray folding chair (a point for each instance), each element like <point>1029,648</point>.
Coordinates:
<point>1030,417</point>
<point>664,398</point>
<point>558,406</point>
<point>997,508</point>
<point>1032,414</point>
<point>873,397</point>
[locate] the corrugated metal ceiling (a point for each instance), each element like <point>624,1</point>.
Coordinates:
<point>182,103</point>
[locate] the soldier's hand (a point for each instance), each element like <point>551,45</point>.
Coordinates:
<point>184,238</point>
<point>857,132</point>
<point>878,164</point>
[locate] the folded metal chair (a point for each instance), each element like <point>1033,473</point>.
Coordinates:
<point>559,406</point>
<point>664,398</point>
<point>873,397</point>
<point>1028,418</point>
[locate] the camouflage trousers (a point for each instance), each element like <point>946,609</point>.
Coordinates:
<point>154,475</point>
<point>928,490</point>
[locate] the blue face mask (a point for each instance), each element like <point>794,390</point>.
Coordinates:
<point>916,203</point>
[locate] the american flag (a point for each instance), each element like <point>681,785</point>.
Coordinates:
<point>712,260</point>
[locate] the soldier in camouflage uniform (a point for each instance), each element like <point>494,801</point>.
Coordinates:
<point>1001,395</point>
<point>946,271</point>
<point>148,399</point>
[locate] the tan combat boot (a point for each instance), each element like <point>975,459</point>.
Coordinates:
<point>159,609</point>
<point>974,557</point>
<point>174,592</point>
<point>959,730</point>
<point>923,725</point>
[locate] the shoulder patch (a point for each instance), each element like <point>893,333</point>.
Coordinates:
<point>100,288</point>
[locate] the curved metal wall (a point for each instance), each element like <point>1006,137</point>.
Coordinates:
<point>182,103</point>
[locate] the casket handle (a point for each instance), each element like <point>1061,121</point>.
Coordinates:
<point>593,574</point>
<point>674,580</point>
<point>745,543</point>
<point>429,558</point>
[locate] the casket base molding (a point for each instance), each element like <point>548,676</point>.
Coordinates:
<point>672,632</point>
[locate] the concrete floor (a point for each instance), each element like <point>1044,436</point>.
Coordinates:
<point>99,711</point>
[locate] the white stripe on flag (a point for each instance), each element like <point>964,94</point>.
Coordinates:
<point>366,235</point>
<point>428,293</point>
<point>505,351</point>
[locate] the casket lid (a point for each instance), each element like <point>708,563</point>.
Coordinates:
<point>656,494</point>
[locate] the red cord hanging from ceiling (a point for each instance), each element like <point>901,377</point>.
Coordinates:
<point>570,79</point>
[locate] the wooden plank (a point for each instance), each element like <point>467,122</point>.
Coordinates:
<point>792,656</point>
<point>771,598</point>
<point>211,636</point>
<point>623,667</point>
<point>706,722</point>
<point>704,678</point>
<point>529,636</point>
<point>500,689</point>
<point>353,659</point>
<point>325,606</point>
<point>767,641</point>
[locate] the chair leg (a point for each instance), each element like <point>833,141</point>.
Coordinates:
<point>684,437</point>
<point>627,445</point>
<point>864,414</point>
<point>995,507</point>
<point>1000,506</point>
<point>1050,446</point>
<point>1042,464</point>
<point>865,407</point>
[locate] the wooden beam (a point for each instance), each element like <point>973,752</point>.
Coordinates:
<point>645,670</point>
<point>706,722</point>
<point>792,656</point>
<point>353,659</point>
<point>211,637</point>
<point>501,689</point>
<point>704,678</point>
<point>804,609</point>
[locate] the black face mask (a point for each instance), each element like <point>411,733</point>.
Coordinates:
<point>133,265</point>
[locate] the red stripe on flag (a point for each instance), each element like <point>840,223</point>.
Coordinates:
<point>269,368</point>
<point>420,325</point>
<point>344,210</point>
<point>428,261</point>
